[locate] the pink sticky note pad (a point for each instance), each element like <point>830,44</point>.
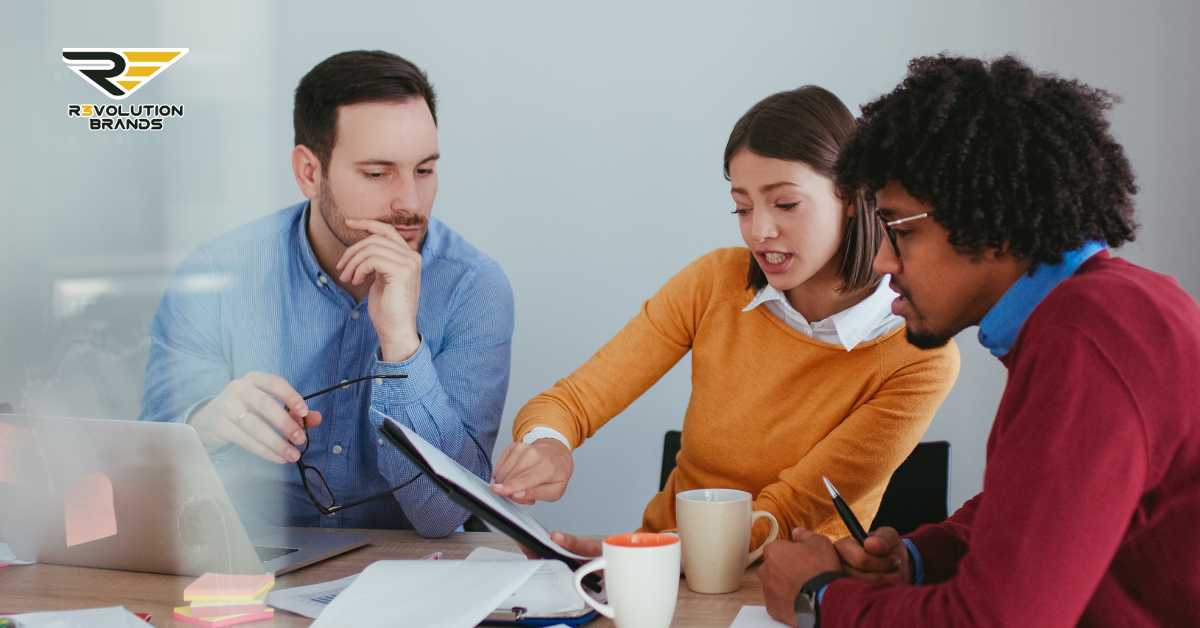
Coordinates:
<point>210,612</point>
<point>89,511</point>
<point>184,614</point>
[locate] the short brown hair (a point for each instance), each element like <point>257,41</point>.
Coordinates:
<point>349,78</point>
<point>810,125</point>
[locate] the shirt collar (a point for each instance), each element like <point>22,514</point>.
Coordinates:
<point>852,324</point>
<point>999,328</point>
<point>308,257</point>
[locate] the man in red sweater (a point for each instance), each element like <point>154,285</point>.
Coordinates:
<point>1000,190</point>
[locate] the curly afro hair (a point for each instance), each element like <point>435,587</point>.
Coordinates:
<point>1008,159</point>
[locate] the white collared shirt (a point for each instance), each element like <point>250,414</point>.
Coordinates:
<point>866,320</point>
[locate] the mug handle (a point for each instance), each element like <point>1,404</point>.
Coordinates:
<point>595,565</point>
<point>771,536</point>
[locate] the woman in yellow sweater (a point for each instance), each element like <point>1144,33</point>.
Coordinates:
<point>799,366</point>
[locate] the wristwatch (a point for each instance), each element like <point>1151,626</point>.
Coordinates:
<point>808,611</point>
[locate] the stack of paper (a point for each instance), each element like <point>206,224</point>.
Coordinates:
<point>226,599</point>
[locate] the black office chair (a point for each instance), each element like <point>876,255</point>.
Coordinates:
<point>670,449</point>
<point>919,491</point>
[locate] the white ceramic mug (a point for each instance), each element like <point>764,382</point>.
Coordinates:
<point>714,525</point>
<point>641,579</point>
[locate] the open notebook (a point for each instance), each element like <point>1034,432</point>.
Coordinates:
<point>474,494</point>
<point>548,594</point>
<point>544,591</point>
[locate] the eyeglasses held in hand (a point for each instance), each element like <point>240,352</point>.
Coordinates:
<point>314,481</point>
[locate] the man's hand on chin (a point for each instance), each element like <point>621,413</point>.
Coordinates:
<point>394,269</point>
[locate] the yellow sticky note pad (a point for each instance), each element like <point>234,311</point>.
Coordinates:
<point>88,509</point>
<point>221,587</point>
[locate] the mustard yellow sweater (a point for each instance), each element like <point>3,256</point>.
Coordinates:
<point>771,409</point>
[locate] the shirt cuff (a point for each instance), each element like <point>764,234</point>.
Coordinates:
<point>540,431</point>
<point>918,563</point>
<point>186,419</point>
<point>422,376</point>
<point>187,414</point>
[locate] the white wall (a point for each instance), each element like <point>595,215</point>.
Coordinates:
<point>582,148</point>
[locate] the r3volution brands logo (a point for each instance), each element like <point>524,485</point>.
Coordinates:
<point>118,73</point>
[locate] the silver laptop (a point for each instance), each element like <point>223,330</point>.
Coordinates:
<point>137,496</point>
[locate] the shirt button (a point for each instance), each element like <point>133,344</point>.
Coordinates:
<point>380,441</point>
<point>322,280</point>
<point>344,382</point>
<point>354,315</point>
<point>337,449</point>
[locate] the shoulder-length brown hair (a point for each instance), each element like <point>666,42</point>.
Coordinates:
<point>810,125</point>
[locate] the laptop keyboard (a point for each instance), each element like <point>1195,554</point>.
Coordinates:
<point>271,553</point>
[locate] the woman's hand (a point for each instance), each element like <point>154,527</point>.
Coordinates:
<point>529,473</point>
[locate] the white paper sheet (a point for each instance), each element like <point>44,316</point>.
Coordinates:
<point>755,617</point>
<point>458,475</point>
<point>308,600</point>
<point>7,557</point>
<point>112,616</point>
<point>433,593</point>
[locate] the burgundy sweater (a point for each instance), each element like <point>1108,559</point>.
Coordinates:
<point>1090,509</point>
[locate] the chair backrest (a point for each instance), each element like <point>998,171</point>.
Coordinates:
<point>6,408</point>
<point>919,491</point>
<point>671,442</point>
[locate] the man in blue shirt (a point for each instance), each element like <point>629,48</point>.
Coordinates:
<point>357,281</point>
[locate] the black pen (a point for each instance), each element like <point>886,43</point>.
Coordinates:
<point>848,518</point>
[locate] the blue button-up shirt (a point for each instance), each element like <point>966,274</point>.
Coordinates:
<point>257,300</point>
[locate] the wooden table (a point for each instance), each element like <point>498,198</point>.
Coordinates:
<point>53,587</point>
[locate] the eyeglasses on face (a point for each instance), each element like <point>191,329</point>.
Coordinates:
<point>891,232</point>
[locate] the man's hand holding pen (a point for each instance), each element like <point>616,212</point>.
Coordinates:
<point>810,561</point>
<point>787,565</point>
<point>880,558</point>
